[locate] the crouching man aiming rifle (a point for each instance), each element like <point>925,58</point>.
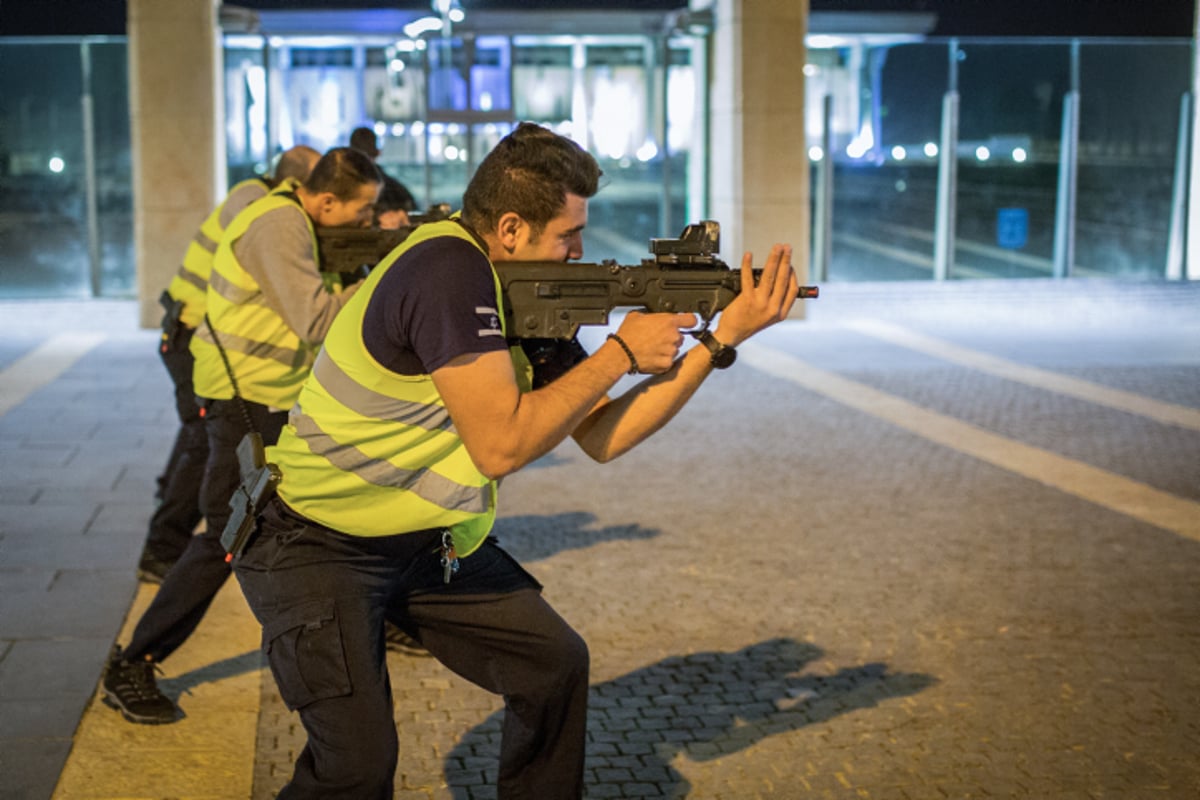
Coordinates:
<point>415,408</point>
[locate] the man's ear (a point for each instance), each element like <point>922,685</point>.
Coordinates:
<point>325,203</point>
<point>508,230</point>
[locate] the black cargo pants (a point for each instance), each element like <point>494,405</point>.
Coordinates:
<point>190,586</point>
<point>322,598</point>
<point>179,512</point>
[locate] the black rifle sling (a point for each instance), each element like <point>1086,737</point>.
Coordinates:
<point>237,395</point>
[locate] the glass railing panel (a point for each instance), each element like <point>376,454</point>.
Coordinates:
<point>885,117</point>
<point>1010,122</point>
<point>886,124</point>
<point>683,137</point>
<point>677,213</point>
<point>885,130</point>
<point>43,210</point>
<point>113,170</point>
<point>626,213</point>
<point>1129,108</point>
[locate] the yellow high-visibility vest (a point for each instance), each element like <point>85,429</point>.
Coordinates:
<point>370,452</point>
<point>267,358</point>
<point>190,283</point>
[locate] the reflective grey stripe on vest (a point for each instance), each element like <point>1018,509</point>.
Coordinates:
<point>234,293</point>
<point>205,243</point>
<point>363,401</point>
<point>187,276</point>
<point>240,344</point>
<point>426,484</point>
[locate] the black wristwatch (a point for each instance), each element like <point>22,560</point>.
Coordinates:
<point>721,356</point>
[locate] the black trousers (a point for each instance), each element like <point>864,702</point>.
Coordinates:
<point>322,598</point>
<point>178,514</point>
<point>190,586</point>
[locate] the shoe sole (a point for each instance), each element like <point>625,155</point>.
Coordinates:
<point>407,650</point>
<point>149,577</point>
<point>114,704</point>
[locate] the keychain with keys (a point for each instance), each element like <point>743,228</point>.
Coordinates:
<point>449,559</point>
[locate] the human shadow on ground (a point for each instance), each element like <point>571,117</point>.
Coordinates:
<point>529,538</point>
<point>182,684</point>
<point>532,537</point>
<point>702,706</point>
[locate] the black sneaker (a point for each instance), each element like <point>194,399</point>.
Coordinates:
<point>153,569</point>
<point>397,641</point>
<point>129,687</point>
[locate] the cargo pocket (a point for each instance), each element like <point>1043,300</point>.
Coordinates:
<point>304,649</point>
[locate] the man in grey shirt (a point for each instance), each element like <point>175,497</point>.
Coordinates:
<point>174,521</point>
<point>268,310</point>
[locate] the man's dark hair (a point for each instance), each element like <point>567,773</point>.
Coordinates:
<point>529,172</point>
<point>394,196</point>
<point>364,139</point>
<point>342,171</point>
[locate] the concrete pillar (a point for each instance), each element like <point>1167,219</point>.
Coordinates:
<point>174,94</point>
<point>758,159</point>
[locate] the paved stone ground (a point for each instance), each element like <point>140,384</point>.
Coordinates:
<point>784,596</point>
<point>787,598</point>
<point>77,463</point>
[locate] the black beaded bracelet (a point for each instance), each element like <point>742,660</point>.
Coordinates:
<point>633,367</point>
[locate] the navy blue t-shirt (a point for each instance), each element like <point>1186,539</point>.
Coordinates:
<point>437,302</point>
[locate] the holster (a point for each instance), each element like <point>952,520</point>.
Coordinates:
<point>172,326</point>
<point>259,480</point>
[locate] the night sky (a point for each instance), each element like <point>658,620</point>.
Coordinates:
<point>1152,18</point>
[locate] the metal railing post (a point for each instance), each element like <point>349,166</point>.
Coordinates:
<point>823,213</point>
<point>947,185</point>
<point>95,265</point>
<point>1175,237</point>
<point>1068,171</point>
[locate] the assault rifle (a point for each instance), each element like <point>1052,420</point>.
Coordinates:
<point>351,252</point>
<point>551,299</point>
<point>435,213</point>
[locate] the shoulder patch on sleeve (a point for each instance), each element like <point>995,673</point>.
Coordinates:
<point>489,318</point>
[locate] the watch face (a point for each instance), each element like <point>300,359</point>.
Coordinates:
<point>721,355</point>
<point>724,357</point>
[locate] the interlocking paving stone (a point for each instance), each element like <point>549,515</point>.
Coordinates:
<point>783,597</point>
